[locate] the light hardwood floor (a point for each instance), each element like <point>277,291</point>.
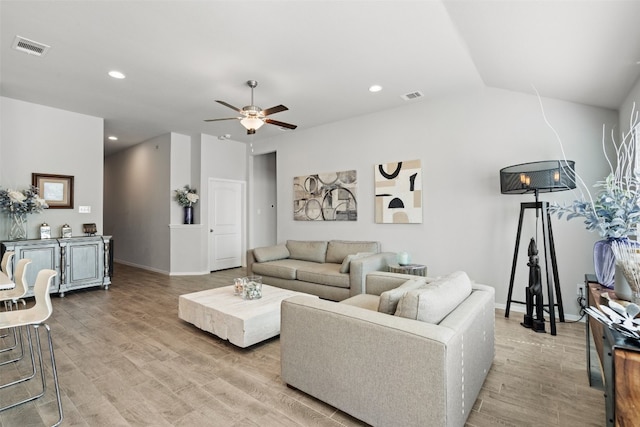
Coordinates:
<point>125,359</point>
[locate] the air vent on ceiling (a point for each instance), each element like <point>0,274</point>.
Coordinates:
<point>29,46</point>
<point>412,95</point>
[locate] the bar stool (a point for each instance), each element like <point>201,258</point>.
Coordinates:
<point>35,317</point>
<point>20,278</point>
<point>11,298</point>
<point>6,264</point>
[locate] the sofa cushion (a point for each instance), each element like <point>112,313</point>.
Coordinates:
<point>346,263</point>
<point>283,269</point>
<point>271,253</point>
<point>324,274</point>
<point>435,300</point>
<point>366,301</point>
<point>389,299</point>
<point>314,251</point>
<point>337,250</point>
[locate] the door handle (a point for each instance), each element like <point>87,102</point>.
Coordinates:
<point>211,230</point>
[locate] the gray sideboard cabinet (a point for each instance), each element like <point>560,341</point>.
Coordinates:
<point>81,262</point>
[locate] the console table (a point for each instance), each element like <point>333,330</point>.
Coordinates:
<point>80,262</point>
<point>619,359</point>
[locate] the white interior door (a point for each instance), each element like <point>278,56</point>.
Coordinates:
<point>226,219</point>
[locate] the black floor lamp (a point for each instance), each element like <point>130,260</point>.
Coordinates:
<point>539,177</point>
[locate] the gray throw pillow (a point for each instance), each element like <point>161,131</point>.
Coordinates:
<point>388,302</point>
<point>346,263</point>
<point>436,300</point>
<point>307,250</point>
<point>271,253</point>
<point>337,250</point>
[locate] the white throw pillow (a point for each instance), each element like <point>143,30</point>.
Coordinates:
<point>436,300</point>
<point>346,262</point>
<point>388,302</point>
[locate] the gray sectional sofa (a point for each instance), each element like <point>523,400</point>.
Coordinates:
<point>333,269</point>
<point>410,352</point>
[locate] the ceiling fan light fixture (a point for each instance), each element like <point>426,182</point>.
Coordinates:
<point>252,123</point>
<point>253,117</point>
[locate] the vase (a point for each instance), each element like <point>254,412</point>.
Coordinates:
<point>252,287</point>
<point>402,258</point>
<point>604,262</point>
<point>188,214</point>
<point>623,288</point>
<point>17,226</point>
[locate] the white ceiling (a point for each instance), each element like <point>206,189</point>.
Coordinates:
<point>316,57</point>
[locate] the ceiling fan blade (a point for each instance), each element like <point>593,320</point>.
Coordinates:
<point>227,118</point>
<point>281,124</point>
<point>274,110</point>
<point>229,105</point>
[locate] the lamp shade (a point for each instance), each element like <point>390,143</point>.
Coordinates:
<point>251,123</point>
<point>538,177</point>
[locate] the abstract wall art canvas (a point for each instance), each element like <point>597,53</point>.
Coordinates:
<point>325,197</point>
<point>398,187</point>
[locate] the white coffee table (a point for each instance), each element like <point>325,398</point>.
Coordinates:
<point>242,322</point>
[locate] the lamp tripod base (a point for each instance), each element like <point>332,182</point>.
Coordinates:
<point>551,266</point>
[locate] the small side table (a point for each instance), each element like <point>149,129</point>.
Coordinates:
<point>413,269</point>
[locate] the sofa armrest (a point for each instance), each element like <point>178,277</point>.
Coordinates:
<point>362,266</point>
<point>378,282</point>
<point>250,260</point>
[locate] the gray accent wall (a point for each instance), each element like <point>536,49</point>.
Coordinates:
<point>141,213</point>
<point>463,141</point>
<point>41,139</point>
<point>138,203</point>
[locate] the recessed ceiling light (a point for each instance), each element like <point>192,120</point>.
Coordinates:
<point>113,138</point>
<point>375,88</point>
<point>116,74</point>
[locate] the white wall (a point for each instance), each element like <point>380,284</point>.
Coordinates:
<point>631,103</point>
<point>180,173</point>
<point>141,212</point>
<point>36,138</point>
<point>220,159</point>
<point>462,142</point>
<point>264,206</point>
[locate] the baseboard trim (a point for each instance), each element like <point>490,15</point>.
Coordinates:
<point>520,308</point>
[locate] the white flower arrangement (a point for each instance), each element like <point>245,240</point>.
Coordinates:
<point>22,202</point>
<point>187,196</point>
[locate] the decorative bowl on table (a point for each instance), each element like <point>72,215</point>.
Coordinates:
<point>252,287</point>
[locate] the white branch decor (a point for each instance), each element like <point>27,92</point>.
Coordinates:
<point>614,211</point>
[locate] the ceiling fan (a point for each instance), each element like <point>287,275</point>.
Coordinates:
<point>254,117</point>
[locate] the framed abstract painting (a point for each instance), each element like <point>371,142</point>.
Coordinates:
<point>398,190</point>
<point>325,197</point>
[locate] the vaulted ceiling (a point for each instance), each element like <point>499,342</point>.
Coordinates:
<point>316,57</point>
